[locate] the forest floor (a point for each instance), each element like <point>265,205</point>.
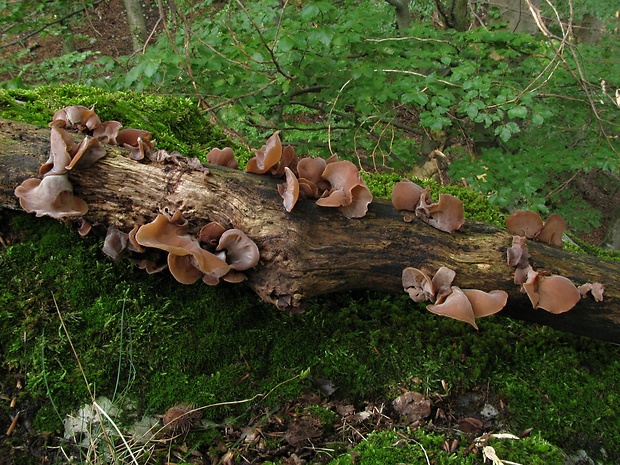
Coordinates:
<point>307,435</point>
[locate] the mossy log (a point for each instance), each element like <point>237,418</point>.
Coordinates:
<point>313,250</point>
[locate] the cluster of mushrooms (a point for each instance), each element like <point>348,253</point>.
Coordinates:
<point>451,301</point>
<point>554,293</point>
<point>331,183</point>
<point>213,252</point>
<point>210,254</point>
<point>415,201</point>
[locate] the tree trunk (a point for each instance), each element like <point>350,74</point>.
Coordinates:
<point>455,13</point>
<point>312,250</point>
<point>517,15</point>
<point>137,25</point>
<point>403,15</point>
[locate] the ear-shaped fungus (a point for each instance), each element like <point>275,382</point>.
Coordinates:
<point>597,290</point>
<point>442,282</point>
<point>266,157</point>
<point>61,147</point>
<point>451,301</point>
<point>486,303</point>
<point>556,294</point>
<point>518,257</point>
<point>312,170</point>
<point>86,153</point>
<point>418,285</point>
<point>210,233</point>
<point>552,231</point>
<point>115,243</point>
<point>172,236</point>
<point>289,191</point>
<point>184,268</point>
<point>530,224</point>
<point>222,157</point>
<point>455,306</point>
<point>348,191</point>
<point>51,196</point>
<point>446,215</point>
<point>524,223</point>
<point>288,160</point>
<point>107,131</point>
<point>76,116</point>
<point>241,251</point>
<point>406,195</point>
<point>137,140</point>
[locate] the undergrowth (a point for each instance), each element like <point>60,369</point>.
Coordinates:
<point>154,343</point>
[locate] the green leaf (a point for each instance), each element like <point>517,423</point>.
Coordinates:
<point>517,112</point>
<point>416,97</point>
<point>150,68</point>
<point>285,44</point>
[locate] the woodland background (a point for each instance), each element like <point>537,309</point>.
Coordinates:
<point>516,100</point>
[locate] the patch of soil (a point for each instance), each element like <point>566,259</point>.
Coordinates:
<point>103,29</point>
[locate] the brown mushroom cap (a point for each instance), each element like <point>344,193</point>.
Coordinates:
<point>51,196</point>
<point>406,195</point>
<point>115,243</point>
<point>442,282</point>
<point>486,303</point>
<point>88,152</point>
<point>597,290</point>
<point>517,255</point>
<point>289,191</point>
<point>455,306</point>
<point>222,157</point>
<point>267,156</point>
<point>106,132</point>
<point>210,233</point>
<point>241,251</point>
<point>348,190</point>
<point>61,147</point>
<point>311,169</point>
<point>556,294</point>
<point>417,284</point>
<point>171,235</point>
<point>446,215</point>
<point>524,223</point>
<point>552,231</point>
<point>182,269</point>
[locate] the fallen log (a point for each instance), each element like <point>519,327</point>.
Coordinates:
<point>313,251</point>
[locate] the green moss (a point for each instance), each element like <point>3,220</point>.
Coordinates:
<point>393,448</point>
<point>476,206</point>
<point>176,123</point>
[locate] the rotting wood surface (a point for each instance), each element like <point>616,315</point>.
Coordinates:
<point>313,250</point>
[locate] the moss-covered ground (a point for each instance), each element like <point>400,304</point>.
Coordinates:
<point>74,324</point>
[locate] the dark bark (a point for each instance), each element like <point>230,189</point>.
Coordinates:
<point>455,13</point>
<point>403,15</point>
<point>314,251</point>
